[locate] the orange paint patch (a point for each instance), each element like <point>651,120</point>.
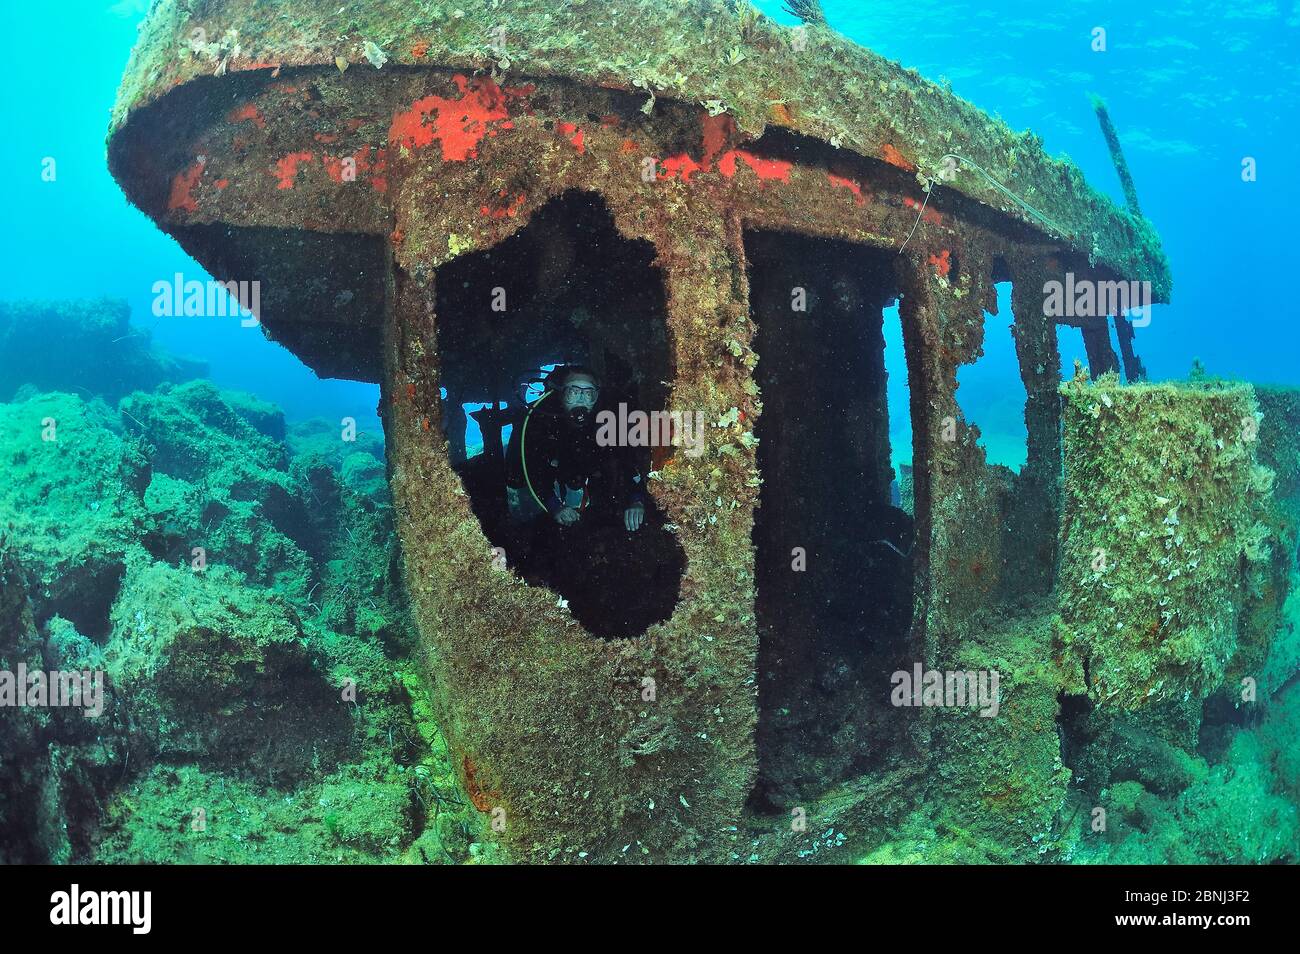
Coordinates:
<point>942,263</point>
<point>573,134</point>
<point>628,146</point>
<point>679,165</point>
<point>458,124</point>
<point>286,169</point>
<point>849,184</point>
<point>780,114</point>
<point>247,113</point>
<point>222,183</point>
<point>420,49</point>
<point>765,169</point>
<point>182,193</point>
<point>892,156</point>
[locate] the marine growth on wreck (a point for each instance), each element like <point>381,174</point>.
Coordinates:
<point>895,539</point>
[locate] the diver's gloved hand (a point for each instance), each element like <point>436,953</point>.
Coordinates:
<point>633,516</point>
<point>567,517</point>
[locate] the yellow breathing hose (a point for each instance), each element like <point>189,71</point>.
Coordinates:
<point>523,449</point>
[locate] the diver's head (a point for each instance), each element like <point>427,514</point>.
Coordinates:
<point>579,391</point>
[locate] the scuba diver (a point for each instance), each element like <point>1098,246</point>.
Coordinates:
<point>555,465</point>
<point>583,523</point>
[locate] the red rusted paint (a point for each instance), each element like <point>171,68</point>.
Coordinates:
<point>849,184</point>
<point>367,163</point>
<point>929,215</point>
<point>891,155</point>
<point>764,168</point>
<point>286,168</point>
<point>573,134</point>
<point>378,180</point>
<point>222,183</point>
<point>508,211</point>
<point>361,165</point>
<point>610,121</point>
<point>325,138</point>
<point>183,184</point>
<point>942,263</point>
<point>247,112</point>
<point>717,132</point>
<point>458,124</point>
<point>681,164</point>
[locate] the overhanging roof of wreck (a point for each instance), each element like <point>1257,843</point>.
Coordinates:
<point>721,55</point>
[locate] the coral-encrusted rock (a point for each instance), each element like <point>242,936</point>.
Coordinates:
<point>1162,522</point>
<point>71,502</point>
<point>224,681</point>
<point>222,484</point>
<point>211,669</point>
<point>29,830</point>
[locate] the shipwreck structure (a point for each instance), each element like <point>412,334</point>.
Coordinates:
<point>644,186</point>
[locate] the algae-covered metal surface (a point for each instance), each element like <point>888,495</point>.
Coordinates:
<point>723,56</point>
<point>1164,502</point>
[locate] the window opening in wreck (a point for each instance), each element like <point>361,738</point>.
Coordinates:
<point>991,391</point>
<point>833,550</point>
<point>567,289</point>
<point>900,412</point>
<point>1069,343</point>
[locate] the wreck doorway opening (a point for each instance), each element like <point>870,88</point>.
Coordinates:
<point>565,289</point>
<point>991,391</point>
<point>833,546</point>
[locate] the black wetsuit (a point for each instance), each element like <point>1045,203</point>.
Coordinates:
<point>617,581</point>
<point>562,454</point>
